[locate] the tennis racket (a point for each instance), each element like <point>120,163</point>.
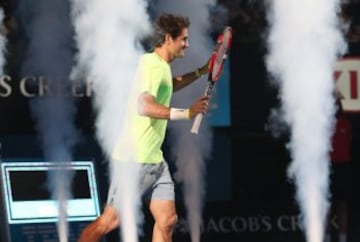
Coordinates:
<point>216,66</point>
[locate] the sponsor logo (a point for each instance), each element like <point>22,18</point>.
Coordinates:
<point>347,74</point>
<point>32,86</point>
<point>245,224</point>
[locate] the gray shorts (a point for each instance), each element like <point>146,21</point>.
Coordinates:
<point>155,183</point>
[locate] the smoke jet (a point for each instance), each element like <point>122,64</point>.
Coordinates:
<point>48,30</point>
<point>107,35</point>
<point>304,42</point>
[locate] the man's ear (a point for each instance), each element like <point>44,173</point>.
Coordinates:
<point>168,38</point>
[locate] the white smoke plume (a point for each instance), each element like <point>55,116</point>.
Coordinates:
<point>107,35</point>
<point>49,55</point>
<point>2,43</point>
<point>191,151</point>
<point>304,42</point>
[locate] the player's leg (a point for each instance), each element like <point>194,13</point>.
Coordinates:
<point>165,217</point>
<point>162,206</point>
<point>105,223</point>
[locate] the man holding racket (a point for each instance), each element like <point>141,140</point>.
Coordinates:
<point>153,112</point>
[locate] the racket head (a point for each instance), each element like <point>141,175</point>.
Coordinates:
<point>219,55</point>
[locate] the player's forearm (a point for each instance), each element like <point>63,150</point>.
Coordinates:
<point>154,110</point>
<point>147,106</point>
<point>180,82</point>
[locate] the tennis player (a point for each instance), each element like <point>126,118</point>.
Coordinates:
<point>153,112</point>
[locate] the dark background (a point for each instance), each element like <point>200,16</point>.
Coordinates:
<point>258,204</point>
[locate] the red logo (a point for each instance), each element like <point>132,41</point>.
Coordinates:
<point>347,74</point>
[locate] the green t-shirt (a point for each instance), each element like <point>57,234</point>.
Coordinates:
<point>147,134</point>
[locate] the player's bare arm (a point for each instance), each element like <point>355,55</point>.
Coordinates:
<point>182,81</point>
<point>147,106</point>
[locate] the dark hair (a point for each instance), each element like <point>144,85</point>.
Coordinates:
<point>168,24</point>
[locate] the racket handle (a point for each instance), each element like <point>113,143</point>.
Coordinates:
<point>199,116</point>
<point>196,124</point>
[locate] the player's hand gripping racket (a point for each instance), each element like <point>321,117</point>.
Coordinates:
<point>216,65</point>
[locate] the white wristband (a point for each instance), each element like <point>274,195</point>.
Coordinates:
<point>178,113</point>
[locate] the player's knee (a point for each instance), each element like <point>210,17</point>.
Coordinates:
<point>167,222</point>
